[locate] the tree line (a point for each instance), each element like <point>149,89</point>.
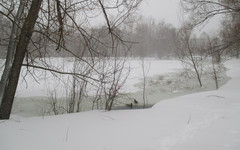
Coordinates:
<point>147,38</point>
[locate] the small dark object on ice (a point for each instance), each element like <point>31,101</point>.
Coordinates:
<point>130,105</point>
<point>135,101</point>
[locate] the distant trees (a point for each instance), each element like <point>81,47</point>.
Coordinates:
<point>153,39</point>
<point>40,26</point>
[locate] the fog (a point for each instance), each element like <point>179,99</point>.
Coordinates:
<point>167,10</point>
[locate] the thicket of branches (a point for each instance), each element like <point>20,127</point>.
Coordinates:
<point>40,26</point>
<point>194,51</point>
<point>200,12</point>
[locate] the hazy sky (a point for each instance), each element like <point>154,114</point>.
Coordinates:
<point>167,10</point>
<point>170,12</point>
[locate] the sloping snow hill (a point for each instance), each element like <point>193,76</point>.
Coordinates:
<point>203,121</point>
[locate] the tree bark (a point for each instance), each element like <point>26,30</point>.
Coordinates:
<point>21,49</point>
<point>11,49</point>
<point>194,62</point>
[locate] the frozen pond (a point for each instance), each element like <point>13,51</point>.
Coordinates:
<point>165,79</point>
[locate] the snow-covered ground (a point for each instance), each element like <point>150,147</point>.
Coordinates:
<point>201,121</point>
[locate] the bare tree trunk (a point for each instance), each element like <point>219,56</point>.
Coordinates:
<point>194,63</point>
<point>15,69</point>
<point>11,49</point>
<point>238,53</point>
<point>188,49</point>
<point>144,92</point>
<point>216,58</point>
<point>73,94</point>
<point>144,73</point>
<point>215,74</point>
<point>196,71</point>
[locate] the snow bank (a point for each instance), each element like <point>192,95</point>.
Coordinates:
<point>203,121</point>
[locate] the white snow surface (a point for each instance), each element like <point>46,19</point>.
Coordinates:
<point>201,121</point>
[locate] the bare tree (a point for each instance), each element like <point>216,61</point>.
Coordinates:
<point>201,12</point>
<point>230,35</point>
<point>211,45</point>
<point>53,102</point>
<point>215,75</point>
<point>188,50</point>
<point>10,77</point>
<point>145,70</point>
<point>117,80</point>
<point>214,54</point>
<point>55,21</point>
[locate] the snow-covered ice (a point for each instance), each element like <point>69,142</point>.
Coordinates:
<point>28,87</point>
<point>201,121</point>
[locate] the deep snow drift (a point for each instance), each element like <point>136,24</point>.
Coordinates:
<point>202,121</point>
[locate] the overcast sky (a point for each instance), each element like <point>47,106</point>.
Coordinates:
<point>167,10</point>
<point>170,12</point>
